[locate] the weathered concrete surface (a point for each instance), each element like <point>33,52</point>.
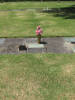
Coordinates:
<point>53,45</point>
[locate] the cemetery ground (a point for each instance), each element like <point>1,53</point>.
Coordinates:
<point>45,76</point>
<point>37,76</point>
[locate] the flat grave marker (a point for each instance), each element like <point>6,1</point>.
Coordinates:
<point>35,46</point>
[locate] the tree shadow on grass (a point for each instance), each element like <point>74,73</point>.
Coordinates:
<point>66,12</point>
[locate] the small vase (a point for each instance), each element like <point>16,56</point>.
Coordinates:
<point>39,38</point>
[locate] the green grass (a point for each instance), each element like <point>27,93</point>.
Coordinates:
<point>40,77</point>
<point>24,23</point>
<point>22,5</point>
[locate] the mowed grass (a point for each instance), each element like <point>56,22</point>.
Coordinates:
<point>40,77</point>
<point>22,5</point>
<point>24,23</point>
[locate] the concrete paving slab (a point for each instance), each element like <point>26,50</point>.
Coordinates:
<point>53,45</point>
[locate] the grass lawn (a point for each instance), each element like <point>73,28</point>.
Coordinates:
<point>40,77</point>
<point>24,23</point>
<point>22,5</point>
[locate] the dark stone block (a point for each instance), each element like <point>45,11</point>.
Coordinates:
<point>22,48</point>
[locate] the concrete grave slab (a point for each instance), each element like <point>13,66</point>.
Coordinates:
<point>48,45</point>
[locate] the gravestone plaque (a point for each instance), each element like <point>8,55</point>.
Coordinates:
<point>69,39</point>
<point>35,47</point>
<point>2,41</point>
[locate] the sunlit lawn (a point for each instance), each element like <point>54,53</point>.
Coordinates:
<point>24,23</point>
<point>40,77</point>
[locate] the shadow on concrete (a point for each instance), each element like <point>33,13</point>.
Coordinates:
<point>43,42</point>
<point>66,12</point>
